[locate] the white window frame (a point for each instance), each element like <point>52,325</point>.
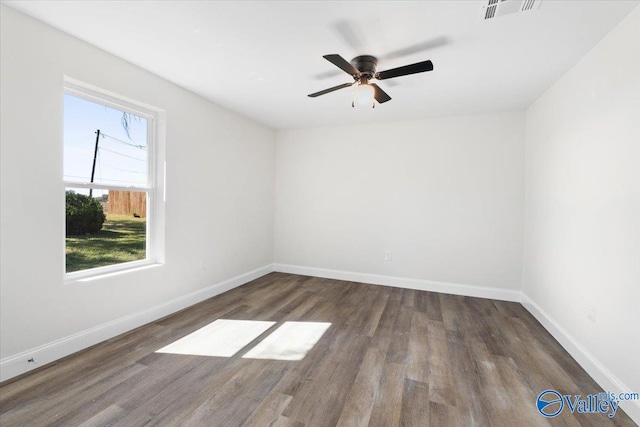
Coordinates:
<point>154,188</point>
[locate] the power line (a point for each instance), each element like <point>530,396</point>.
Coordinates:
<point>141,147</point>
<point>106,181</point>
<point>99,165</point>
<point>123,155</point>
<point>76,176</point>
<point>120,169</point>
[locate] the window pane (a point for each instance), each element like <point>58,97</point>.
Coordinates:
<point>120,238</point>
<point>121,158</point>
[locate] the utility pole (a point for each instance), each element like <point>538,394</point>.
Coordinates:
<point>95,155</point>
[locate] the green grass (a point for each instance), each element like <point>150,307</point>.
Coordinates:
<point>122,239</point>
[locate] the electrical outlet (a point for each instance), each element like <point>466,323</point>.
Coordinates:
<point>591,313</point>
<point>387,256</point>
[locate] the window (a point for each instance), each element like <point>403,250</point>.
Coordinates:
<point>110,183</point>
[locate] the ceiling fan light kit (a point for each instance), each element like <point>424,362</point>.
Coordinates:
<point>363,69</point>
<point>363,95</point>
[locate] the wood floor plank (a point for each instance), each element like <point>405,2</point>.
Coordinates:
<point>268,411</point>
<point>433,306</point>
<point>408,297</point>
<point>442,415</point>
<point>361,396</point>
<point>383,335</point>
<point>173,401</point>
<point>39,411</point>
<point>283,421</point>
<point>238,398</point>
<point>415,404</point>
<point>330,385</point>
<point>418,361</point>
<point>373,313</point>
<point>387,407</point>
<point>104,418</point>
<point>399,348</point>
<point>391,357</point>
<point>440,376</point>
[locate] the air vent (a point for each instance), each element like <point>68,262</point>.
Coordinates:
<point>494,8</point>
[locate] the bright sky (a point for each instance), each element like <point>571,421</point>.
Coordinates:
<point>121,160</point>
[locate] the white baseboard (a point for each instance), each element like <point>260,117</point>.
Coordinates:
<point>586,360</point>
<point>403,282</point>
<point>18,364</point>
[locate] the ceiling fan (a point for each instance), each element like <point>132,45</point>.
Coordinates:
<point>362,69</point>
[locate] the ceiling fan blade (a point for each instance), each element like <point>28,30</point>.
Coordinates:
<point>418,67</point>
<point>417,48</point>
<point>342,63</point>
<point>380,95</point>
<point>328,74</point>
<point>352,34</point>
<point>331,89</point>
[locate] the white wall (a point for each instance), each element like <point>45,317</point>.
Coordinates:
<point>582,235</point>
<point>445,195</point>
<point>220,169</point>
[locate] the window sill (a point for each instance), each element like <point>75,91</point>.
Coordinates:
<point>99,273</point>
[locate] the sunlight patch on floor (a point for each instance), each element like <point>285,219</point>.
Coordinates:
<point>291,341</point>
<point>222,338</point>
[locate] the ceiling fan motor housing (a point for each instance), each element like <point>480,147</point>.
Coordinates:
<point>366,64</point>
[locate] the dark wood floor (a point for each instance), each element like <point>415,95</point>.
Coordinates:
<point>391,357</point>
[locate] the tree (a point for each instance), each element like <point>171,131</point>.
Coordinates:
<point>84,214</point>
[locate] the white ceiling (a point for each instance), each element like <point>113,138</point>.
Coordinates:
<point>261,58</point>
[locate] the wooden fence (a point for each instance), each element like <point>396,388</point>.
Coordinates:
<point>127,203</point>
